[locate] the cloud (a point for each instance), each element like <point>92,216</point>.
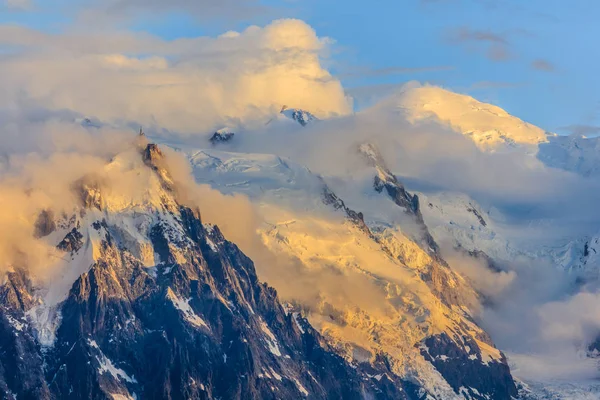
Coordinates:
<point>575,320</point>
<point>18,4</point>
<point>98,12</point>
<point>491,284</point>
<point>466,35</point>
<point>379,72</point>
<point>186,85</point>
<point>498,53</point>
<point>494,85</point>
<point>368,95</point>
<point>581,129</point>
<point>430,155</point>
<point>495,45</point>
<point>543,65</point>
<point>41,159</point>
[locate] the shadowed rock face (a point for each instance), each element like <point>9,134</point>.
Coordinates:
<point>44,225</point>
<point>356,218</point>
<point>300,116</point>
<point>461,366</point>
<point>72,242</point>
<point>204,328</point>
<point>221,137</point>
<point>197,325</point>
<point>386,180</point>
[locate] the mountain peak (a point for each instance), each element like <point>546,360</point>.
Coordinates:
<point>489,126</point>
<point>221,136</point>
<point>301,116</point>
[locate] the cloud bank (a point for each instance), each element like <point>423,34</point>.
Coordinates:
<point>185,85</point>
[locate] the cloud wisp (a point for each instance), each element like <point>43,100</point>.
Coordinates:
<point>496,46</point>
<point>543,65</point>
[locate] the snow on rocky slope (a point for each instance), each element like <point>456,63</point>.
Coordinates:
<point>414,312</point>
<point>573,153</point>
<point>372,307</point>
<point>150,302</point>
<point>449,218</point>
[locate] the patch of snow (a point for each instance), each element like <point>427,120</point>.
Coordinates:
<point>212,245</point>
<point>270,339</point>
<point>301,388</point>
<point>106,365</point>
<point>119,396</point>
<point>15,323</point>
<point>295,317</point>
<point>489,126</point>
<point>184,307</point>
<point>275,374</point>
<point>377,377</point>
<point>45,320</point>
<point>209,228</point>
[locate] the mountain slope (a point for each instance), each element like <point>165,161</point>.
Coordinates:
<point>164,307</point>
<point>489,126</point>
<point>573,153</point>
<point>415,312</point>
<point>493,129</point>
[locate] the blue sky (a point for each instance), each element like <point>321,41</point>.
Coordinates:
<point>536,59</point>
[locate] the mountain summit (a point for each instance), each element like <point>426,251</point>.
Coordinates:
<point>489,126</point>
<point>154,303</point>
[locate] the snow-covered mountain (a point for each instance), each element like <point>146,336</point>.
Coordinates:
<point>153,303</point>
<point>321,285</point>
<point>492,129</point>
<point>574,153</point>
<point>143,279</point>
<point>301,116</point>
<point>386,250</point>
<point>489,126</point>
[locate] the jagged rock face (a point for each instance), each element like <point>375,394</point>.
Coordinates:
<point>436,273</point>
<point>21,365</point>
<point>345,233</point>
<point>163,306</point>
<point>463,361</point>
<point>459,362</point>
<point>15,293</point>
<point>300,116</point>
<point>196,325</point>
<point>221,137</point>
<point>386,180</point>
<point>356,218</point>
<point>200,329</point>
<point>72,242</point>
<point>480,218</point>
<point>152,154</point>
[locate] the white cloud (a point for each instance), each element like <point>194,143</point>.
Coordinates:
<point>575,320</point>
<point>185,85</point>
<point>111,10</point>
